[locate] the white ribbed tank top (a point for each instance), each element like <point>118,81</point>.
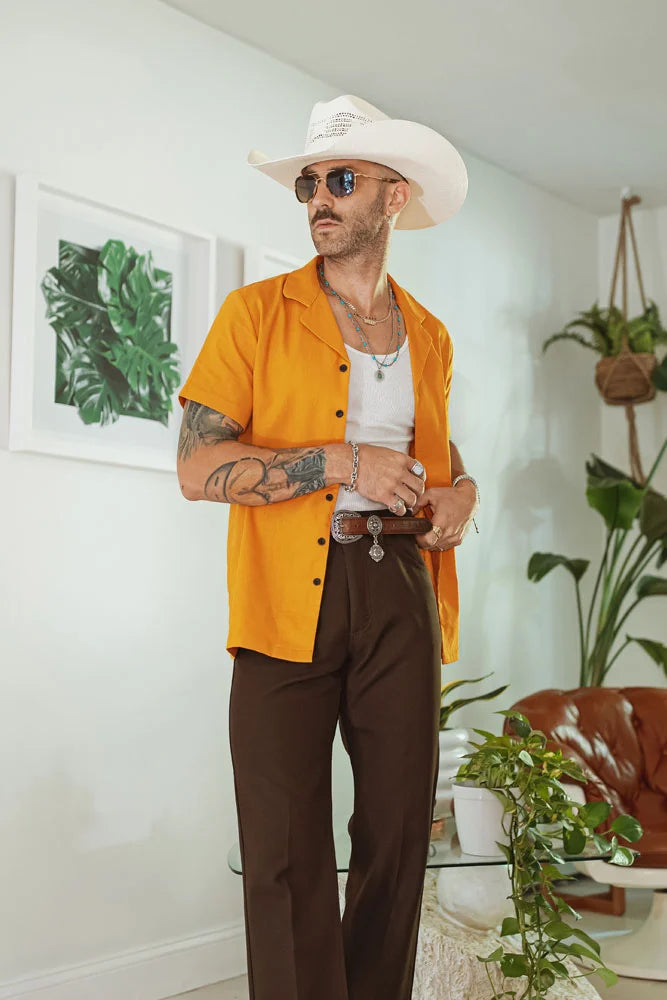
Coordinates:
<point>379,412</point>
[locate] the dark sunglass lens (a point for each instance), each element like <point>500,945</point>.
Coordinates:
<point>340,182</point>
<point>304,188</point>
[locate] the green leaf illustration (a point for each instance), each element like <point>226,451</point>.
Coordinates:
<point>111,312</point>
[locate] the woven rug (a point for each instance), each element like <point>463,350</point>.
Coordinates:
<point>446,966</point>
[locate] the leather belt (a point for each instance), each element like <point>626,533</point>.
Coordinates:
<point>349,526</point>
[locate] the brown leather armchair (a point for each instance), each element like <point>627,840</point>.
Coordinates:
<point>619,738</point>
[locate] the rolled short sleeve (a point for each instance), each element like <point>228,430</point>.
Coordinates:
<point>222,375</point>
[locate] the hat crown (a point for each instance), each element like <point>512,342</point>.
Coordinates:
<point>332,119</point>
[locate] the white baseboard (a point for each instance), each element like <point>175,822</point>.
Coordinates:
<point>145,974</point>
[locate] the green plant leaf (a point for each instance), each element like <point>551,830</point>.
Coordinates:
<point>652,586</point>
<point>568,335</point>
<point>608,976</point>
<point>526,758</point>
<point>656,650</point>
<point>98,389</point>
<point>518,722</point>
<point>627,827</point>
<point>541,563</point>
<point>513,966</point>
<point>613,494</point>
<point>495,956</point>
<point>574,841</point>
<point>510,926</point>
<point>653,516</point>
<point>622,856</point>
<point>594,813</point>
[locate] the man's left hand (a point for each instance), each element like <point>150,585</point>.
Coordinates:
<point>453,510</point>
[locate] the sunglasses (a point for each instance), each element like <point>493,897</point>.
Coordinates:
<point>341,181</point>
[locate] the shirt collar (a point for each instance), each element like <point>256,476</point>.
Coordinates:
<point>304,286</point>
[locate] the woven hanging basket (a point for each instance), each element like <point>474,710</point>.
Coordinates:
<point>625,379</point>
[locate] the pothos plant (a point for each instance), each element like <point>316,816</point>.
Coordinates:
<point>527,779</point>
<point>624,504</point>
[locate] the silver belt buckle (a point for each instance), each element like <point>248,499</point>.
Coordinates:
<point>374,525</point>
<point>335,527</point>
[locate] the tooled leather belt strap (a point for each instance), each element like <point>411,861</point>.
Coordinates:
<point>390,525</point>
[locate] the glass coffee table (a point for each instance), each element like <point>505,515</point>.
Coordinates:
<point>442,853</point>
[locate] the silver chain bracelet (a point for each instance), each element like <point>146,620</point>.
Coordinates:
<point>465,475</point>
<point>355,466</point>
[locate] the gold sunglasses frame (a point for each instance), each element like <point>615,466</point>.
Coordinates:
<point>355,173</point>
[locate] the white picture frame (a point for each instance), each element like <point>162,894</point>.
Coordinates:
<point>261,262</point>
<point>99,293</point>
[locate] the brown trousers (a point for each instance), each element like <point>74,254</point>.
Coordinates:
<point>376,672</point>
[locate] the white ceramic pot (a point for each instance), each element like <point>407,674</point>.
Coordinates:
<point>454,745</point>
<point>479,815</point>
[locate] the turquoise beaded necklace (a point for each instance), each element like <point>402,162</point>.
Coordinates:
<point>379,374</point>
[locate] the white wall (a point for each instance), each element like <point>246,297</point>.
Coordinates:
<point>117,792</point>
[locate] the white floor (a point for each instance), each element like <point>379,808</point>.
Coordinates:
<point>598,925</point>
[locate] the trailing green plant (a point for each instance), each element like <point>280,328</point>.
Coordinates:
<point>526,778</point>
<point>621,583</point>
<point>111,313</point>
<point>447,709</point>
<point>606,327</point>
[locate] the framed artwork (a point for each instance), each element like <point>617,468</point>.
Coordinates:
<point>262,262</point>
<point>109,312</point>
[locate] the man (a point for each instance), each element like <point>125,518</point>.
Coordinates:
<point>317,409</point>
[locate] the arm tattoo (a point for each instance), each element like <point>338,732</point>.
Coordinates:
<point>202,425</point>
<point>289,472</point>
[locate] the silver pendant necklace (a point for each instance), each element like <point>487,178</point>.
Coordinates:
<point>379,374</point>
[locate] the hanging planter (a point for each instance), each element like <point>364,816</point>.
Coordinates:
<point>628,372</point>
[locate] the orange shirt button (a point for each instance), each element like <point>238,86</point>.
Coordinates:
<point>317,580</point>
<point>329,496</point>
<point>339,413</point>
<point>343,368</point>
<point>321,541</point>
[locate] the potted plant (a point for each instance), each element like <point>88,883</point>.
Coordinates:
<point>454,742</point>
<point>606,327</point>
<point>621,581</point>
<point>526,779</point>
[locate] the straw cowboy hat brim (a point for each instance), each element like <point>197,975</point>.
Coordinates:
<point>433,167</point>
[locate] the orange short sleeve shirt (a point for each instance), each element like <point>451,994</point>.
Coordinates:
<point>271,361</point>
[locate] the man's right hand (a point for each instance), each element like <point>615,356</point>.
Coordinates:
<point>384,474</point>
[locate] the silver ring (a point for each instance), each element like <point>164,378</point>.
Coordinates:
<point>418,468</point>
<point>399,503</point>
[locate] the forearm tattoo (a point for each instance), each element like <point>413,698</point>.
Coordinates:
<point>287,473</point>
<point>251,480</point>
<point>202,425</point>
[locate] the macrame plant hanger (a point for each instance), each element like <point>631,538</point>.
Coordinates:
<point>625,379</point>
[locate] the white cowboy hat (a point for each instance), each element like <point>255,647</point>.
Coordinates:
<point>350,126</point>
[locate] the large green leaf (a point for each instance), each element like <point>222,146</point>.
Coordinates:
<point>653,516</point>
<point>656,650</point>
<point>614,494</point>
<point>627,827</point>
<point>652,586</point>
<point>146,361</point>
<point>98,389</point>
<point>541,563</point>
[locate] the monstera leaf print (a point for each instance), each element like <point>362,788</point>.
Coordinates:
<point>111,312</point>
